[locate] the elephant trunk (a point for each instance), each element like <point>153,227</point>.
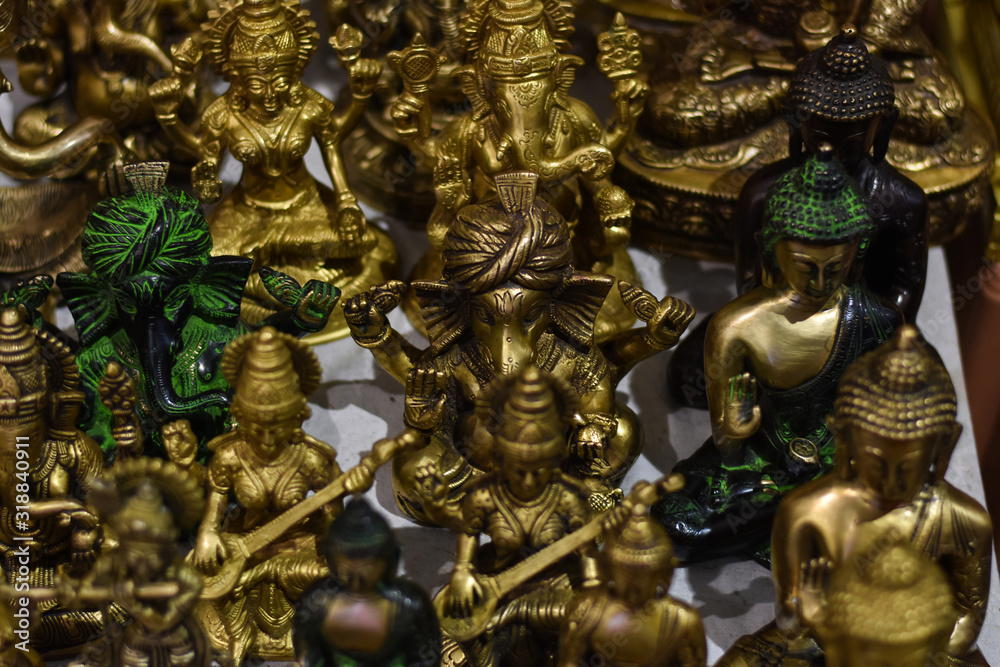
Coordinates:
<point>156,357</point>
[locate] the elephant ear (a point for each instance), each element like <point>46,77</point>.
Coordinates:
<point>217,289</point>
<point>90,301</point>
<point>468,81</point>
<point>445,309</point>
<point>565,76</point>
<point>575,305</point>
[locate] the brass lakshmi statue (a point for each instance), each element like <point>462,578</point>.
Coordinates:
<point>774,357</point>
<point>895,429</point>
<point>510,298</point>
<point>278,214</point>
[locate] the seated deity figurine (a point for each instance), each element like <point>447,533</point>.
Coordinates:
<point>277,214</point>
<point>517,76</point>
<point>146,503</point>
<point>724,72</point>
<point>258,471</point>
<point>841,95</point>
<point>523,506</point>
<point>637,564</point>
<point>45,460</point>
<point>510,298</point>
<point>773,360</point>
<point>898,610</point>
<point>158,303</point>
<point>363,615</point>
<point>894,422</point>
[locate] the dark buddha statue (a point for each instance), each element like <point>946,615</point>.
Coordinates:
<point>841,95</point>
<point>362,615</point>
<point>774,356</point>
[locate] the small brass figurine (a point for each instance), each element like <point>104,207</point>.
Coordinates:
<point>278,214</point>
<point>40,399</point>
<point>898,610</point>
<point>146,503</point>
<point>631,601</point>
<point>267,465</point>
<point>363,615</point>
<point>841,95</point>
<point>894,421</point>
<point>517,78</point>
<point>157,304</point>
<point>509,299</point>
<point>525,505</point>
<point>774,357</point>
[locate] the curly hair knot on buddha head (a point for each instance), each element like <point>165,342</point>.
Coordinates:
<point>516,238</point>
<point>840,82</point>
<point>816,203</point>
<point>901,390</point>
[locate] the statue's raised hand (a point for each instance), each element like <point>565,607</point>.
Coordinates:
<point>741,416</point>
<point>404,113</point>
<point>364,74</point>
<point>665,320</point>
<point>425,399</point>
<point>180,442</point>
<point>311,304</point>
<point>365,313</point>
<point>205,180</point>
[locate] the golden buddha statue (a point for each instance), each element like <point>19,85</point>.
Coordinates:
<point>637,564</point>
<point>39,403</point>
<point>278,214</point>
<point>895,429</point>
<point>510,298</point>
<point>720,76</point>
<point>898,610</point>
<point>261,469</point>
<point>517,78</point>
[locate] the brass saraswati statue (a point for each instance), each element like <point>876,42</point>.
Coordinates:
<point>894,422</point>
<point>267,465</point>
<point>278,214</point>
